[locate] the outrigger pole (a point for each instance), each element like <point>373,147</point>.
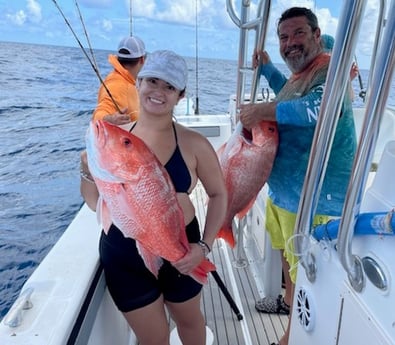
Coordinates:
<point>86,55</point>
<point>130,18</point>
<point>197,60</point>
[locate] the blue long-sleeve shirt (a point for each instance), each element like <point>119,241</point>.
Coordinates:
<point>296,119</point>
<point>274,77</point>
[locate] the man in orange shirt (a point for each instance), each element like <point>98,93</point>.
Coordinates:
<point>118,100</point>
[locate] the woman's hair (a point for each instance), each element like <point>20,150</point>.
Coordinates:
<point>299,12</point>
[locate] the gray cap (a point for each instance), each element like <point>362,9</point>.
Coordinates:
<point>131,47</point>
<point>168,66</point>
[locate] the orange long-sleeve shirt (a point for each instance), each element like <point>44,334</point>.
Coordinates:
<point>122,86</point>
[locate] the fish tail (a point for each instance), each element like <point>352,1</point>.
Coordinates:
<point>200,272</point>
<point>245,210</point>
<point>227,234</point>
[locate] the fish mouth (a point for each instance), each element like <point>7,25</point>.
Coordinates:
<point>246,134</point>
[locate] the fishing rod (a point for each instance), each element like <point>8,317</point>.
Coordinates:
<point>362,93</point>
<point>87,56</point>
<point>87,36</point>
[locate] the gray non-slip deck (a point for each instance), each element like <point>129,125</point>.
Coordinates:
<point>255,328</point>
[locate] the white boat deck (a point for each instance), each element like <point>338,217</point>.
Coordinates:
<point>255,328</point>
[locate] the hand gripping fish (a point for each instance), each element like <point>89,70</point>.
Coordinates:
<point>246,165</point>
<point>137,195</point>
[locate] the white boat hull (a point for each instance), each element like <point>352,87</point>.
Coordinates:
<point>329,307</point>
<point>331,312</point>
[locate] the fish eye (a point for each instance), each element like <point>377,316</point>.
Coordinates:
<point>126,141</point>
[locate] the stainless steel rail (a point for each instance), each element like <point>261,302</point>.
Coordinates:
<point>259,25</point>
<point>375,107</point>
<point>382,71</point>
<point>336,85</point>
<point>379,31</point>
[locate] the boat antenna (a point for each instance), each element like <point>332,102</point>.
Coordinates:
<point>87,36</point>
<point>197,61</point>
<point>87,56</point>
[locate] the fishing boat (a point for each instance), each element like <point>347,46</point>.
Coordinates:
<point>344,292</point>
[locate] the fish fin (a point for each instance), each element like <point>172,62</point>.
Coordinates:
<point>103,215</point>
<point>221,150</point>
<point>244,211</point>
<point>227,234</point>
<point>200,272</point>
<point>152,262</point>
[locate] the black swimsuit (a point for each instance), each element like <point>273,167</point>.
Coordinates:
<point>177,168</point>
<point>129,281</point>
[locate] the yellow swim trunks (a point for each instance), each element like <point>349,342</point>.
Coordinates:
<point>280,225</point>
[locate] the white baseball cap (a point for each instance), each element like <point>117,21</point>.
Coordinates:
<point>131,47</point>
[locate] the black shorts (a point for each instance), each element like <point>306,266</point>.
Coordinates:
<point>129,281</point>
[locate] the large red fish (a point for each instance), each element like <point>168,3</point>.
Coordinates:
<point>137,195</point>
<point>246,164</point>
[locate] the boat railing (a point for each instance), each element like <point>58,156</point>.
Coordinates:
<point>376,102</point>
<point>258,26</point>
<point>379,30</point>
<point>245,24</point>
<point>336,83</point>
<point>338,74</point>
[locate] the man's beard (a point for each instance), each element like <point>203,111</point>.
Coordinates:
<point>298,63</point>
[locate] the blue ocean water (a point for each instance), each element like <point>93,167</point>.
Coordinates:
<point>47,95</point>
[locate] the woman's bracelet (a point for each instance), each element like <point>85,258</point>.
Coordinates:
<point>205,247</point>
<point>86,176</point>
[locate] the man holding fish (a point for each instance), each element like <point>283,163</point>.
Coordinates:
<point>139,180</point>
<point>295,110</point>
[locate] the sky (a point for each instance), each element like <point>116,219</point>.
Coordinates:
<point>162,24</point>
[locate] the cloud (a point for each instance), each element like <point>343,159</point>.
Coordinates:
<point>181,11</point>
<point>31,14</point>
<point>327,22</point>
<point>106,25</point>
<point>19,18</point>
<point>34,11</point>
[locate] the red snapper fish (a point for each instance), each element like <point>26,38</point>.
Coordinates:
<point>246,164</point>
<point>138,196</point>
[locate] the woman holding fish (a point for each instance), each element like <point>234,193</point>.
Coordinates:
<point>141,177</point>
